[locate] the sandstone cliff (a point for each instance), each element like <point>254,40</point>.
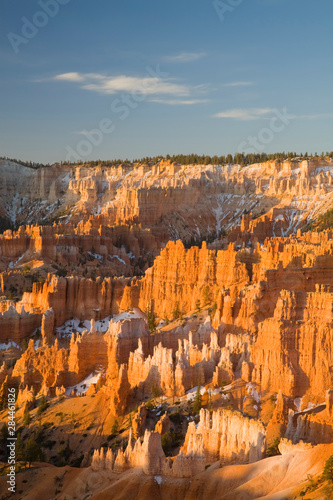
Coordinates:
<point>149,456</point>
<point>227,436</point>
<point>185,200</point>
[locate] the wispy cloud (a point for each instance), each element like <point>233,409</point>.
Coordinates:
<point>179,102</point>
<point>245,114</point>
<point>70,77</point>
<point>264,114</point>
<point>184,57</point>
<point>238,84</point>
<point>105,84</point>
<point>317,116</point>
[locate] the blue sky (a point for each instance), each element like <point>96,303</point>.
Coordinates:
<point>122,78</point>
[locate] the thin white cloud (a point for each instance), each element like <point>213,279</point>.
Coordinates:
<point>104,84</point>
<point>70,77</point>
<point>245,114</point>
<point>316,116</point>
<point>238,84</point>
<point>179,102</point>
<point>184,57</point>
<point>263,113</point>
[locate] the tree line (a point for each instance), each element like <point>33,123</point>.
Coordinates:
<point>241,159</point>
<point>30,164</point>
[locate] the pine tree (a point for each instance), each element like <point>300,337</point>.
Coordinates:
<point>67,451</point>
<point>328,470</point>
<point>177,313</point>
<point>155,392</point>
<point>3,400</point>
<point>151,318</point>
<point>115,427</point>
<point>205,295</point>
<point>43,404</point>
<point>197,402</point>
<point>4,433</point>
<point>273,449</point>
<point>19,449</point>
<point>3,441</point>
<point>32,451</point>
<point>26,417</point>
<point>165,442</point>
<point>223,384</point>
<point>210,401</point>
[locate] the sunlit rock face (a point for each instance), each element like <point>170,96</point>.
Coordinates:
<point>187,201</point>
<point>110,308</point>
<point>150,456</point>
<point>186,277</point>
<point>226,436</point>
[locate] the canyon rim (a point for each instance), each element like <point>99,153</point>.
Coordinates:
<point>166,250</point>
